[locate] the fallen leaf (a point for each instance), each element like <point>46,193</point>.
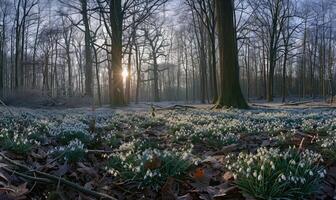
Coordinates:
<point>167,191</point>
<point>90,185</point>
<point>153,163</point>
<point>4,196</point>
<point>87,170</point>
<point>2,176</point>
<point>62,170</point>
<point>213,162</point>
<point>185,197</point>
<point>228,176</point>
<point>19,192</point>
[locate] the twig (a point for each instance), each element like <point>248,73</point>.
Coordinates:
<point>60,180</point>
<point>303,134</point>
<point>32,178</point>
<point>101,151</point>
<point>55,159</point>
<point>75,186</point>
<point>105,151</point>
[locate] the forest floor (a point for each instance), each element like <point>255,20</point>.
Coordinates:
<point>169,151</point>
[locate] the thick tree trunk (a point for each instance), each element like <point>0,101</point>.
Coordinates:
<point>213,67</point>
<point>117,79</point>
<point>231,95</point>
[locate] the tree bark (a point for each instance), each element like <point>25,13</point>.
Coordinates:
<point>117,79</point>
<point>231,95</point>
<point>88,50</point>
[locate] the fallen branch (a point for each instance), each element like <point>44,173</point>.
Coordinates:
<point>296,103</point>
<point>101,151</point>
<point>303,134</point>
<point>3,103</point>
<point>59,180</point>
<point>153,105</point>
<point>106,151</point>
<point>177,107</point>
<point>32,178</point>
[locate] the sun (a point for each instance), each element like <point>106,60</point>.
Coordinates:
<point>124,74</point>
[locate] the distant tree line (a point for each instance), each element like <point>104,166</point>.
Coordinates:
<point>122,51</point>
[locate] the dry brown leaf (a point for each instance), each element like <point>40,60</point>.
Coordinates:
<point>3,176</point>
<point>90,185</point>
<point>228,176</point>
<point>87,170</point>
<point>155,163</point>
<point>19,192</point>
<point>185,197</point>
<point>167,191</point>
<point>62,170</point>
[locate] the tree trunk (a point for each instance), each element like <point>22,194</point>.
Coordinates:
<point>2,55</point>
<point>128,77</point>
<point>231,95</point>
<point>88,54</point>
<point>35,51</point>
<point>97,76</point>
<point>156,79</point>
<point>138,72</point>
<point>284,74</point>
<point>117,79</point>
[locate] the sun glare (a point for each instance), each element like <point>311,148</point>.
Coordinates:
<point>124,74</point>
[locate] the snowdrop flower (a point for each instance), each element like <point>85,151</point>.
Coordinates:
<point>248,170</point>
<point>283,177</point>
<point>255,174</point>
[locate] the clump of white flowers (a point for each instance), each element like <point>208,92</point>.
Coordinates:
<point>328,145</point>
<point>149,167</point>
<point>212,134</point>
<point>18,134</point>
<point>275,174</point>
<point>73,152</point>
<point>71,129</point>
<point>254,122</point>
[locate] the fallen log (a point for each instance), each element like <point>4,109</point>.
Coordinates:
<point>177,106</point>
<point>296,103</point>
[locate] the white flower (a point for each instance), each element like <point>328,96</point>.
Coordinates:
<point>255,174</point>
<point>262,167</point>
<point>248,170</point>
<point>283,177</point>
